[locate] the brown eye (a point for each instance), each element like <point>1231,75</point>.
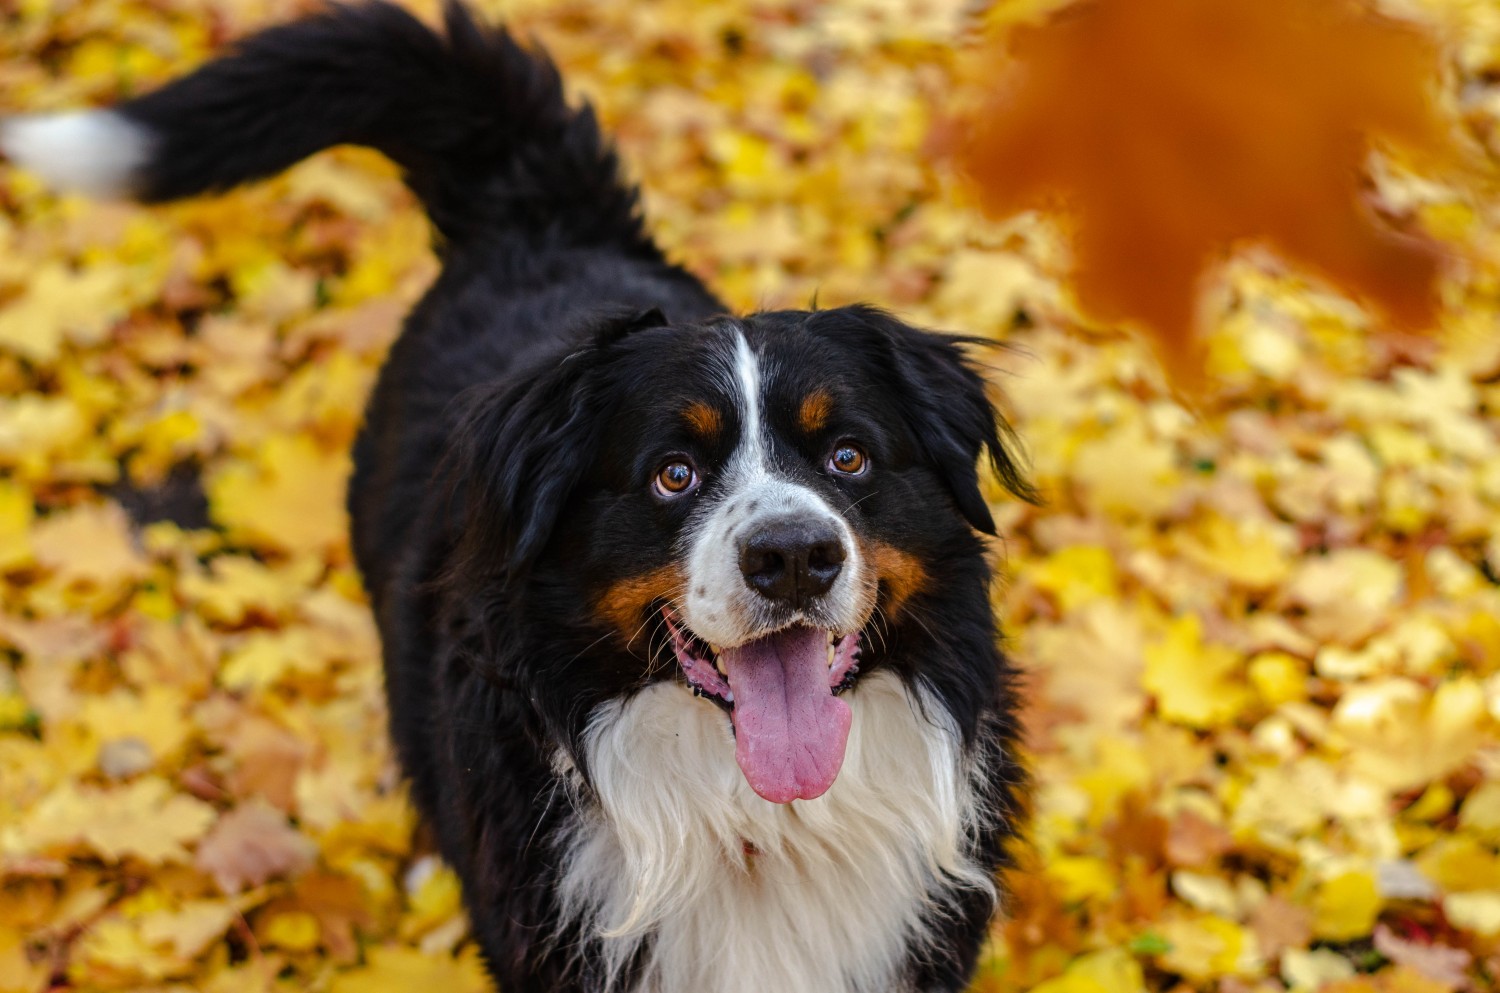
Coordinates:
<point>848,459</point>
<point>674,478</point>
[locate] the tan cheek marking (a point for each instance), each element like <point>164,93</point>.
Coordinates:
<point>813,413</point>
<point>624,603</point>
<point>703,420</point>
<point>902,574</point>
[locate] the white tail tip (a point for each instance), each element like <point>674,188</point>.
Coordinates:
<point>97,152</point>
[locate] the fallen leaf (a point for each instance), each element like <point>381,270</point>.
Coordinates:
<point>1194,682</point>
<point>252,844</point>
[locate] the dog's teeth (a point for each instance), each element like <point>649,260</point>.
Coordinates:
<point>719,664</point>
<point>830,656</point>
<point>713,648</point>
<point>829,635</point>
<point>729,696</point>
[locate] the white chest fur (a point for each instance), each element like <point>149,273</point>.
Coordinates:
<point>739,895</point>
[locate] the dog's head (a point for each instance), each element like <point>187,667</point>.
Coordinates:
<point>759,503</point>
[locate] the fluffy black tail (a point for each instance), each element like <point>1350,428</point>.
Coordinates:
<point>479,124</point>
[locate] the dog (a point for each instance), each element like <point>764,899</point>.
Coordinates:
<point>685,616</point>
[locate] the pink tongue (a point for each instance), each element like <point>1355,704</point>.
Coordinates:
<point>789,728</point>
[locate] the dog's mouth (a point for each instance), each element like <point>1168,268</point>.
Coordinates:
<point>781,692</point>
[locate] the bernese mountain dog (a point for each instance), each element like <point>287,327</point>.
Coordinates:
<point>686,616</point>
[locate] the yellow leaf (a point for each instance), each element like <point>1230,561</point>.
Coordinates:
<point>1194,682</point>
<point>154,717</point>
<point>1209,893</point>
<point>1402,737</point>
<point>1460,864</point>
<point>1205,946</point>
<point>18,974</point>
<point>1128,473</point>
<point>1310,971</point>
<point>1113,971</point>
<point>289,496</point>
<point>1278,677</point>
<point>1481,810</point>
<point>296,931</point>
<point>59,305</point>
<point>401,970</point>
<point>435,898</point>
<point>1082,878</point>
<point>1076,575</point>
<point>35,429</point>
<point>238,585</point>
<point>1348,592</point>
<point>143,820</point>
<point>16,513</point>
<point>92,543</point>
<point>115,945</point>
<point>1346,906</point>
<point>1477,912</point>
<point>266,657</point>
<point>190,928</point>
<point>1251,553</point>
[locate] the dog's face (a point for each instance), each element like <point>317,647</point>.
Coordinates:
<point>758,502</point>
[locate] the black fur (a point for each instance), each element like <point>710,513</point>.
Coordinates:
<point>502,477</point>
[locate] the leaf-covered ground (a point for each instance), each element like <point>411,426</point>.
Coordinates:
<point>1263,633</point>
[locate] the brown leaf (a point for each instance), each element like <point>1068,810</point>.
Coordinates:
<point>1193,841</point>
<point>1437,962</point>
<point>1279,925</point>
<point>267,760</point>
<point>252,844</point>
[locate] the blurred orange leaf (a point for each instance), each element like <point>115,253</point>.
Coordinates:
<point>1177,128</point>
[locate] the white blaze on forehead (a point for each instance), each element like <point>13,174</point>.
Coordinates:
<point>751,453</point>
<point>719,605</point>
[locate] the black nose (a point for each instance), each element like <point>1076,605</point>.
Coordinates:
<point>792,561</point>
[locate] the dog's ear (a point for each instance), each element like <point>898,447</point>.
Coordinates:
<point>523,446</point>
<point>949,410</point>
<point>612,329</point>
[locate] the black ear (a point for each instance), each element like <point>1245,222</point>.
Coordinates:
<point>949,411</point>
<point>523,445</point>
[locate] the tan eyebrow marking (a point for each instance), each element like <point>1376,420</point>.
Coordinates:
<point>813,413</point>
<point>703,420</point>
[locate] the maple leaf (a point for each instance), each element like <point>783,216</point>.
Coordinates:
<point>251,844</point>
<point>1175,129</point>
<point>58,305</point>
<point>190,928</point>
<point>1193,681</point>
<point>91,543</point>
<point>397,970</point>
<point>290,496</point>
<point>145,820</point>
<point>1437,962</point>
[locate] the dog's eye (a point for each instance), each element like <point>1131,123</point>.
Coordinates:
<point>848,459</point>
<point>675,478</point>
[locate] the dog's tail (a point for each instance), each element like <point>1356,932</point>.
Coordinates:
<point>479,124</point>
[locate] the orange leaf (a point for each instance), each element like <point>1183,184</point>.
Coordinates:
<point>1177,128</point>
